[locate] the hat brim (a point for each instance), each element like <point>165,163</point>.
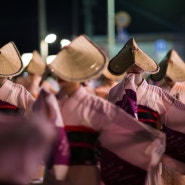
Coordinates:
<point>171,66</point>
<point>131,54</point>
<point>162,72</point>
<point>111,76</point>
<point>37,65</point>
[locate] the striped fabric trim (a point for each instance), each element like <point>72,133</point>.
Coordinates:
<point>148,116</point>
<point>83,143</point>
<point>79,128</point>
<point>86,145</point>
<point>6,107</point>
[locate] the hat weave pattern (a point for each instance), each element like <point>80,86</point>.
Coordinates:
<point>81,60</point>
<point>171,66</point>
<point>131,54</point>
<point>10,60</point>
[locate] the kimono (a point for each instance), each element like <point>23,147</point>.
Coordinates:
<point>58,158</point>
<point>93,123</point>
<point>177,91</point>
<point>32,84</point>
<point>149,104</point>
<point>14,99</point>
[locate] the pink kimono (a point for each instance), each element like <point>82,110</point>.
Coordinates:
<point>128,148</point>
<point>57,164</point>
<point>177,91</point>
<point>150,103</point>
<point>15,98</point>
<point>31,83</point>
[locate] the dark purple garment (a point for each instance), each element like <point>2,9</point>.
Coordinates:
<point>175,148</point>
<point>128,102</point>
<point>60,153</point>
<point>116,171</point>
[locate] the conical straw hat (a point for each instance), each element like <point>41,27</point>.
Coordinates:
<point>171,66</point>
<point>81,60</point>
<point>131,54</point>
<point>37,65</point>
<point>111,76</point>
<point>10,61</point>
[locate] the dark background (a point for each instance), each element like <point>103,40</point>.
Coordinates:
<point>66,18</point>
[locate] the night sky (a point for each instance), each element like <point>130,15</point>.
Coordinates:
<point>66,18</point>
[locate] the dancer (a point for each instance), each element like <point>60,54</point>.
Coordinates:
<point>14,98</point>
<point>149,104</point>
<point>128,148</point>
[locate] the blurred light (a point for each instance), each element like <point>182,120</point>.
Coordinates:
<point>50,59</point>
<point>25,73</point>
<point>64,42</point>
<point>26,57</point>
<point>161,45</point>
<point>50,38</point>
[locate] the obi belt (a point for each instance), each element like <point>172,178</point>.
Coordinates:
<point>8,108</point>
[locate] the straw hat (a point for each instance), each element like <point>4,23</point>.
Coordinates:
<point>131,54</point>
<point>81,60</point>
<point>110,76</point>
<point>37,65</point>
<point>171,66</point>
<point>10,61</point>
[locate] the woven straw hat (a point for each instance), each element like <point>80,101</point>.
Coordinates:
<point>10,61</point>
<point>81,60</point>
<point>171,66</point>
<point>110,76</point>
<point>131,54</point>
<point>37,65</point>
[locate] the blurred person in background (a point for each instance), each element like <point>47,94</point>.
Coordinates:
<point>31,81</point>
<point>152,106</point>
<point>92,123</point>
<point>108,81</point>
<point>14,98</point>
<point>172,75</point>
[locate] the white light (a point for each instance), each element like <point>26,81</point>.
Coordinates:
<point>26,57</point>
<point>50,38</point>
<point>50,59</point>
<point>64,42</point>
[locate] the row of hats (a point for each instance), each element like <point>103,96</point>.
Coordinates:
<point>171,66</point>
<point>82,60</point>
<point>11,63</point>
<point>79,61</point>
